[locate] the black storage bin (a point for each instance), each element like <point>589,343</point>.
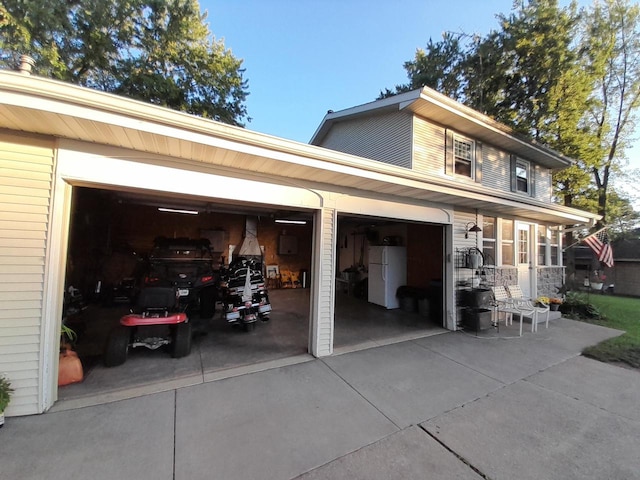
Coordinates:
<point>407,298</point>
<point>477,298</point>
<point>477,318</point>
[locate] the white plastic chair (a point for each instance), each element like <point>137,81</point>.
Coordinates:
<point>510,306</point>
<point>517,296</point>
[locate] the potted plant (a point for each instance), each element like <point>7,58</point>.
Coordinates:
<point>542,301</point>
<point>69,366</point>
<point>5,396</point>
<point>597,281</point>
<point>68,338</point>
<point>554,304</point>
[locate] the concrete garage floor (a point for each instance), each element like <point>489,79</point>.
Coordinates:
<point>221,350</point>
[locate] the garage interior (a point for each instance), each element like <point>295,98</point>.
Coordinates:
<point>112,231</point>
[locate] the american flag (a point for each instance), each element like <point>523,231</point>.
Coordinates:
<point>599,243</point>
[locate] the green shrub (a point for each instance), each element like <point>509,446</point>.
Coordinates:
<point>5,393</point>
<point>578,307</point>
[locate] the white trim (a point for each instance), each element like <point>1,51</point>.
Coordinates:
<point>396,210</point>
<point>55,272</point>
<point>449,306</point>
<point>472,143</point>
<point>322,324</point>
<point>88,110</point>
<point>529,172</point>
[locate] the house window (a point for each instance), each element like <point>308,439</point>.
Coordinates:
<point>463,154</point>
<point>523,245</point>
<point>542,245</point>
<point>489,240</point>
<point>554,246</point>
<point>506,242</point>
<point>522,176</point>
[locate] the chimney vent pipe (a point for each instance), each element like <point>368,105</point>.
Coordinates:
<point>26,64</point>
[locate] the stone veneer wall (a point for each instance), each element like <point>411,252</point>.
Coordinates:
<point>503,276</point>
<point>549,279</point>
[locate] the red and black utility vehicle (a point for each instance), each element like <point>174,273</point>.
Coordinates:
<point>188,265</point>
<point>157,320</point>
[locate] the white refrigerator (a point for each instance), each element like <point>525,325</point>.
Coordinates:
<point>387,272</point>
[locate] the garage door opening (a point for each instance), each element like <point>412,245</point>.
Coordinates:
<point>112,234</point>
<point>389,281</point>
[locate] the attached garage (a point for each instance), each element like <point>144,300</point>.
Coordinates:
<point>84,173</point>
<point>76,163</point>
<point>112,226</point>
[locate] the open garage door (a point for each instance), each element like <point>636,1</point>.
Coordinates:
<point>112,236</point>
<point>389,280</point>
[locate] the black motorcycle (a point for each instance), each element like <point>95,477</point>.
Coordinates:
<point>244,293</point>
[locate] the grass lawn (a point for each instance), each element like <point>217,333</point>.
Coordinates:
<point>624,314</point>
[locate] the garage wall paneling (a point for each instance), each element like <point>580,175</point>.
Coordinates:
<point>26,170</point>
<point>322,313</point>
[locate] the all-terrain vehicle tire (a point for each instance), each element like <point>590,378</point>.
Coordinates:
<point>208,302</point>
<point>181,341</point>
<point>117,346</point>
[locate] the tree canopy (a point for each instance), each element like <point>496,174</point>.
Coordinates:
<point>567,77</point>
<point>160,51</point>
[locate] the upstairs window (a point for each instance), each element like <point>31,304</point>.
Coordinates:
<point>463,155</point>
<point>522,176</point>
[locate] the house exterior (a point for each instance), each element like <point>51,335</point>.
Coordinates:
<point>504,180</point>
<point>418,158</point>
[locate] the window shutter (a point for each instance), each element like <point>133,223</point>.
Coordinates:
<point>478,158</point>
<point>448,153</point>
<point>532,180</point>
<point>514,184</point>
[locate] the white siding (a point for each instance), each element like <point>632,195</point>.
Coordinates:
<point>26,169</point>
<point>542,185</point>
<point>461,246</point>
<point>496,168</point>
<point>428,147</point>
<point>323,301</point>
<point>384,137</point>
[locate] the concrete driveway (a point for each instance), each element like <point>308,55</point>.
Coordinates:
<point>446,406</point>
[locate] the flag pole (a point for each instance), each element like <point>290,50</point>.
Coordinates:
<point>582,239</point>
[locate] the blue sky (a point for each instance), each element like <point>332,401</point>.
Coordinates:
<point>304,57</point>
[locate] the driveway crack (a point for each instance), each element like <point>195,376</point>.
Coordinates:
<point>456,454</point>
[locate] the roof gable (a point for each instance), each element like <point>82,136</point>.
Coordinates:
<point>444,111</point>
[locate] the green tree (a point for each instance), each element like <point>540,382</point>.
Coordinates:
<point>568,78</point>
<point>612,52</point>
<point>160,51</point>
<point>535,61</point>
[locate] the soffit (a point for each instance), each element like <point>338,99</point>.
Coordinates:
<point>46,107</point>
